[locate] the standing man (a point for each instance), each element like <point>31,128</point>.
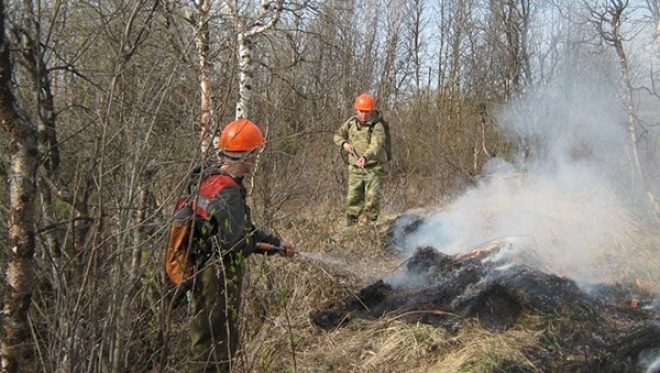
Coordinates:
<point>228,237</point>
<point>363,138</point>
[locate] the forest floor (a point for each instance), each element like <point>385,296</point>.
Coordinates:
<point>342,305</point>
<point>481,311</point>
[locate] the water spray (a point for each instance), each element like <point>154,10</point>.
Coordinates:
<point>307,255</point>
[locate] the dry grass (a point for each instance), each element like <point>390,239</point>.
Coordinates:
<point>335,262</point>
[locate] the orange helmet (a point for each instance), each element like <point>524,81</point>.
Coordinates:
<point>239,138</point>
<point>364,102</point>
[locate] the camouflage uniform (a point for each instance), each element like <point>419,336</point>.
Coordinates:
<point>364,185</point>
<point>216,289</point>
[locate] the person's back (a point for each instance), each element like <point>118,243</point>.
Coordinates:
<point>229,237</point>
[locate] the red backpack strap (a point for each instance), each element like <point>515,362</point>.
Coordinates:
<point>212,185</point>
<point>181,202</point>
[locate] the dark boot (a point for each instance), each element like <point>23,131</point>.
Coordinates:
<point>351,220</point>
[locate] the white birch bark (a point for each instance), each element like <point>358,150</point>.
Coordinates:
<point>654,8</point>
<point>18,281</point>
<point>608,23</point>
<point>202,36</point>
<point>246,33</point>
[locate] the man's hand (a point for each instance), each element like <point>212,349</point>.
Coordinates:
<point>288,249</point>
<point>361,162</point>
<point>348,148</point>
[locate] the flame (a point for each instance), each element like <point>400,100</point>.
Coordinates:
<point>476,253</point>
<point>634,303</point>
<point>479,251</point>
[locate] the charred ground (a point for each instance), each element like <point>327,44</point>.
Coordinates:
<point>607,328</point>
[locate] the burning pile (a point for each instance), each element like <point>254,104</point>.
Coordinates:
<point>611,327</point>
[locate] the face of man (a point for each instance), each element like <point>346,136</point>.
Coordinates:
<point>363,116</point>
<point>251,160</point>
<point>241,166</point>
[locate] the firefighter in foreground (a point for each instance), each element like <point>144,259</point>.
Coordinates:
<point>216,287</point>
<point>363,138</point>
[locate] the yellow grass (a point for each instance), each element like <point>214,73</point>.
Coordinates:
<point>339,261</point>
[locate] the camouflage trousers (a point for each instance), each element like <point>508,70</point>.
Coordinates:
<point>364,191</point>
<point>215,303</point>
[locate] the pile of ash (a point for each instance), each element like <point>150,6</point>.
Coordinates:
<point>614,326</point>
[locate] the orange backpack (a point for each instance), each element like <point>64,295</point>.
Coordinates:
<point>190,213</point>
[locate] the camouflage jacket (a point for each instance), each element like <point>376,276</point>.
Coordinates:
<point>230,219</point>
<point>368,139</point>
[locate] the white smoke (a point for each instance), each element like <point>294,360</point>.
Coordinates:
<point>564,195</point>
<point>649,360</point>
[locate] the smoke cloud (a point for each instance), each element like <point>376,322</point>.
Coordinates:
<point>565,196</point>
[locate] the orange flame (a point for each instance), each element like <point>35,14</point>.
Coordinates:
<point>634,303</point>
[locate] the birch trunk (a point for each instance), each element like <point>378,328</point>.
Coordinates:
<point>207,133</point>
<point>32,54</point>
<point>18,276</point>
<point>246,69</point>
<point>245,40</point>
<point>632,131</point>
<point>654,8</point>
<point>609,24</point>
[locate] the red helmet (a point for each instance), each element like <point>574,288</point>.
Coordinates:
<point>240,137</point>
<point>364,102</point>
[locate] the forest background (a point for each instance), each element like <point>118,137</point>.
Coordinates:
<point>107,106</point>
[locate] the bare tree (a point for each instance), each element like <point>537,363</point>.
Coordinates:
<point>32,60</point>
<point>126,39</point>
<point>511,27</point>
<point>119,95</point>
<point>203,39</point>
<point>608,21</point>
<point>417,13</point>
<point>459,18</point>
<point>19,273</point>
<point>654,8</point>
<point>392,24</point>
<point>247,29</point>
<point>454,29</point>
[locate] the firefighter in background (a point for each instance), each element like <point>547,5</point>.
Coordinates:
<point>216,287</point>
<point>363,138</point>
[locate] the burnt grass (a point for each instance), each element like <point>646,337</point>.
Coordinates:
<point>610,328</point>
